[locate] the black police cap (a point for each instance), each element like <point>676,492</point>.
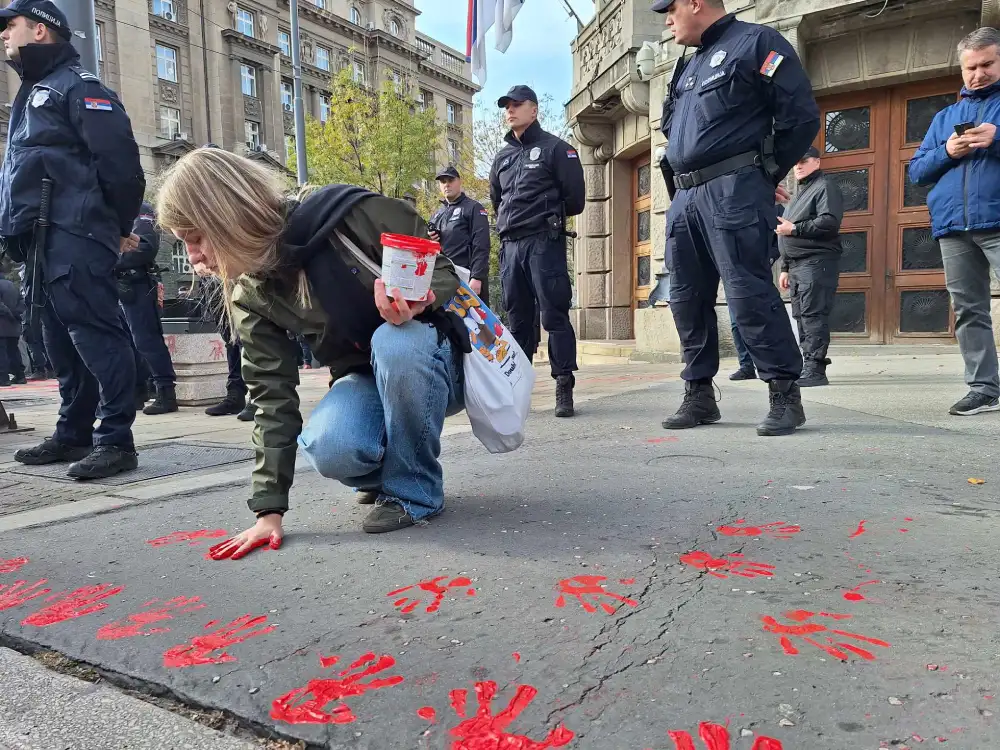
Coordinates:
<point>448,173</point>
<point>662,6</point>
<point>40,11</point>
<point>811,153</point>
<point>518,94</point>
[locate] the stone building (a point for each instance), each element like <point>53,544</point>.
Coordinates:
<point>194,71</point>
<point>880,69</point>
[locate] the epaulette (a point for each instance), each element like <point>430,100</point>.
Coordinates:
<point>84,74</point>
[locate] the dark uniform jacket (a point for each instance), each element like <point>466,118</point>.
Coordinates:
<point>464,227</point>
<point>533,179</point>
<point>11,309</point>
<point>267,309</point>
<point>144,256</point>
<point>816,211</point>
<point>65,125</point>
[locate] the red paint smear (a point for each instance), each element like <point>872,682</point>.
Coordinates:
<point>775,529</point>
<point>716,737</point>
<point>17,593</point>
<point>733,564</point>
<point>805,630</point>
<point>627,581</point>
<point>856,596</point>
<point>517,657</point>
<point>13,565</point>
<point>72,604</point>
<point>137,623</point>
<point>907,519</point>
<point>486,731</point>
<point>589,591</point>
<point>192,537</point>
<point>427,713</point>
<point>656,441</point>
<point>457,698</point>
<point>433,587</point>
<point>904,531</point>
<point>860,530</point>
<point>295,708</point>
<point>766,743</point>
<point>199,650</point>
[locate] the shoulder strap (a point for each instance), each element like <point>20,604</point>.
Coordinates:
<point>360,256</point>
<point>84,74</point>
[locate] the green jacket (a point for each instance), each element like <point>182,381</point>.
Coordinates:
<point>265,310</point>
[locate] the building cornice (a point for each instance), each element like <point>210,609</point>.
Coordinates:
<point>170,27</point>
<point>237,39</point>
<point>442,74</point>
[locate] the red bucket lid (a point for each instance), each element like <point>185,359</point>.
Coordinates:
<point>414,244</point>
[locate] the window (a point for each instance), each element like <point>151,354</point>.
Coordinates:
<point>360,74</point>
<point>248,80</point>
<point>394,28</point>
<point>453,151</point>
<point>99,38</point>
<point>397,82</point>
<point>322,58</point>
<point>179,259</point>
<point>164,9</point>
<point>356,17</point>
<point>252,130</point>
<point>324,108</point>
<point>422,100</point>
<point>320,4</point>
<point>454,114</point>
<point>289,149</point>
<point>170,122</point>
<point>285,42</point>
<point>244,21</point>
<point>166,63</point>
<point>287,97</point>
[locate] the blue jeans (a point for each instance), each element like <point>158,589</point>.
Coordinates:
<point>746,361</point>
<point>383,431</point>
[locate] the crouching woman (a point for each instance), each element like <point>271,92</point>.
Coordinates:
<point>396,366</point>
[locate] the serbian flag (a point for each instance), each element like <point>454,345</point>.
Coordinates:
<point>505,22</point>
<point>482,15</point>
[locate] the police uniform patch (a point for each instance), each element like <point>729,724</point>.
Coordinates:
<point>713,78</point>
<point>689,83</point>
<point>456,214</point>
<point>571,154</point>
<point>484,212</point>
<point>104,105</point>
<point>718,58</point>
<point>771,64</point>
<point>535,153</point>
<point>39,97</point>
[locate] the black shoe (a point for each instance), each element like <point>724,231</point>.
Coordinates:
<point>232,404</point>
<point>367,497</point>
<point>975,403</point>
<point>38,375</point>
<point>786,414</point>
<point>103,462</point>
<point>386,516</point>
<point>248,413</point>
<point>165,402</point>
<point>5,383</point>
<point>813,374</point>
<point>744,373</point>
<point>698,407</point>
<point>20,381</point>
<point>51,451</point>
<point>564,395</point>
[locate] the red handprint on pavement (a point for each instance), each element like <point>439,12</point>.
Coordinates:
<point>13,565</point>
<point>716,737</point>
<point>732,564</point>
<point>293,709</point>
<point>803,630</point>
<point>71,604</point>
<point>775,530</point>
<point>137,623</point>
<point>485,731</point>
<point>434,587</point>
<point>589,591</point>
<point>199,650</point>
<point>191,537</point>
<point>16,594</point>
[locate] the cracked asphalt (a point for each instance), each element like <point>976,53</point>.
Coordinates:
<point>894,627</point>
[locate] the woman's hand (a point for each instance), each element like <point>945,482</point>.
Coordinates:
<point>397,310</point>
<point>267,531</point>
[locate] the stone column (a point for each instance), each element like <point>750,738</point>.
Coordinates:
<point>135,74</point>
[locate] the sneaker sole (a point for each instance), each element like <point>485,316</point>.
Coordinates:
<point>779,433</point>
<point>386,529</point>
<point>708,420</point>
<point>49,460</point>
<point>103,474</point>
<point>814,384</point>
<point>973,412</point>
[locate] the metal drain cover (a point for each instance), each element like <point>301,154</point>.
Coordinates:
<point>161,460</point>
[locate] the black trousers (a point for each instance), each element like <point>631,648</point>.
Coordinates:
<point>813,286</point>
<point>142,314</point>
<point>37,358</point>
<point>11,364</point>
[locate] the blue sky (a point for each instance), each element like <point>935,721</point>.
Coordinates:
<point>538,56</point>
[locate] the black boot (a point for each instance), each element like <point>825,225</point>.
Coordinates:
<point>103,462</point>
<point>248,413</point>
<point>564,395</point>
<point>232,404</point>
<point>51,451</point>
<point>36,375</point>
<point>813,373</point>
<point>786,414</point>
<point>141,397</point>
<point>165,403</point>
<point>698,407</point>
<point>744,373</point>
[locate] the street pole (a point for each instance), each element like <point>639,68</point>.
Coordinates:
<point>80,14</point>
<point>300,116</point>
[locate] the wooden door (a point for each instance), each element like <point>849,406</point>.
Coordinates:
<point>642,273</point>
<point>917,305</point>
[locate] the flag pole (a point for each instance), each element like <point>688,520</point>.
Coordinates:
<point>572,12</point>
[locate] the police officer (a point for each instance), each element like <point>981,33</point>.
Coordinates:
<point>138,292</point>
<point>739,113</point>
<point>536,183</point>
<point>462,226</point>
<point>67,127</point>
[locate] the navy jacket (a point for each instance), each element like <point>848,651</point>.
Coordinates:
<point>727,98</point>
<point>65,125</point>
<point>534,178</point>
<point>464,227</point>
<point>145,227</point>
<point>966,192</point>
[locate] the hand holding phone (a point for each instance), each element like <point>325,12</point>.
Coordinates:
<point>962,127</point>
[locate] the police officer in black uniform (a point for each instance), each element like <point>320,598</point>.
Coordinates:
<point>462,226</point>
<point>138,291</point>
<point>739,113</point>
<point>67,127</point>
<point>537,183</point>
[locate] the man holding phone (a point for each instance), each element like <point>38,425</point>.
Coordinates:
<point>960,157</point>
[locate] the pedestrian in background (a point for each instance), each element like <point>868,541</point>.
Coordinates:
<point>11,310</point>
<point>462,226</point>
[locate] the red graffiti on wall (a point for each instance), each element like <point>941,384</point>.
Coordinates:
<point>68,605</point>
<point>432,587</point>
<point>308,705</point>
<point>804,630</point>
<point>775,530</point>
<point>590,592</point>
<point>716,737</point>
<point>13,565</point>
<point>137,623</point>
<point>17,593</point>
<point>171,341</point>
<point>218,350</point>
<point>732,564</point>
<point>201,647</point>
<point>191,537</point>
<point>488,731</point>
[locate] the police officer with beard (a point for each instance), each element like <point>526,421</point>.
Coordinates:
<point>66,127</point>
<point>462,226</point>
<point>537,183</point>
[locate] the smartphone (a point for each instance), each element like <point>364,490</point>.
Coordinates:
<point>964,126</point>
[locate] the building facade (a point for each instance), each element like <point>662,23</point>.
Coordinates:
<point>196,71</point>
<point>880,69</point>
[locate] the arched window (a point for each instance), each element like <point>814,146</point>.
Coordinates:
<point>394,27</point>
<point>355,16</point>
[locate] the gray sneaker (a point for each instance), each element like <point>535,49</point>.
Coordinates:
<point>387,515</point>
<point>975,403</point>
